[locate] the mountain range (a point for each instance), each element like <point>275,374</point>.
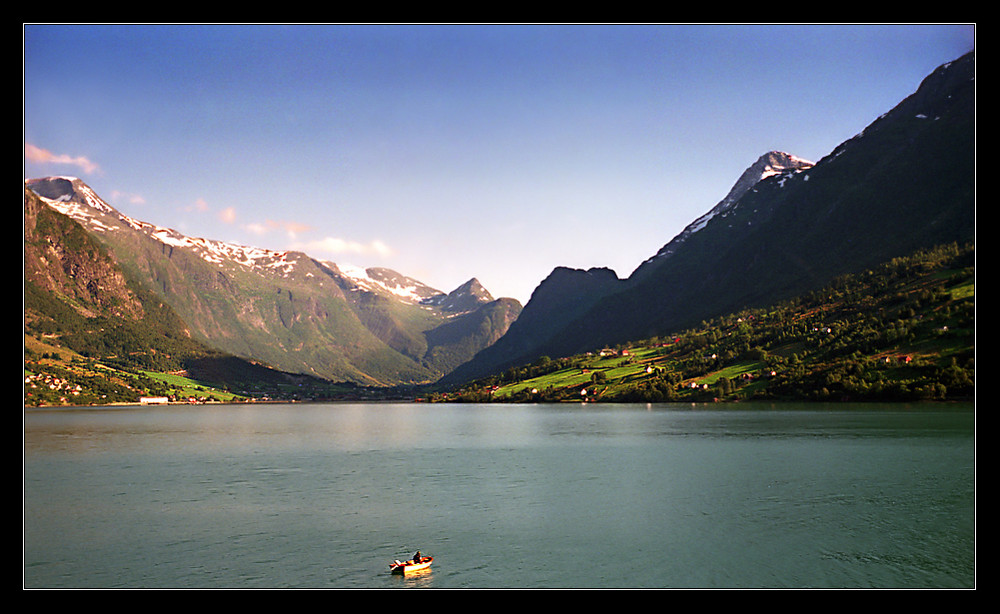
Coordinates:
<point>787,227</point>
<point>287,310</point>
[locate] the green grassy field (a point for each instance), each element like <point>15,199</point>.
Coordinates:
<point>188,388</point>
<point>902,332</point>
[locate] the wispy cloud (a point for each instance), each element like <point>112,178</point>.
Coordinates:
<point>132,199</point>
<point>199,205</point>
<point>333,245</point>
<point>33,153</point>
<point>228,215</point>
<point>291,229</point>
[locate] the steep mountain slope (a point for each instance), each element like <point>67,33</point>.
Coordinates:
<point>906,182</point>
<point>61,259</point>
<point>773,163</point>
<point>285,309</point>
<point>76,296</point>
<point>904,331</point>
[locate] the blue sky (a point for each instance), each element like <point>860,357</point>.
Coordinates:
<point>453,151</point>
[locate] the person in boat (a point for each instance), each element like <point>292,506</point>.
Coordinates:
<point>416,557</point>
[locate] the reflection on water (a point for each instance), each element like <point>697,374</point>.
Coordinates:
<point>422,578</point>
<point>502,496</point>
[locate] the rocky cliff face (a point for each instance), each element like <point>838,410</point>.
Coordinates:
<point>61,259</point>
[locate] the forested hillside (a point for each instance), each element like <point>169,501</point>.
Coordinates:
<point>902,332</point>
<point>906,182</point>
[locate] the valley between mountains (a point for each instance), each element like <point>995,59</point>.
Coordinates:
<point>873,243</point>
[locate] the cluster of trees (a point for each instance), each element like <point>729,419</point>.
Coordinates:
<point>905,331</point>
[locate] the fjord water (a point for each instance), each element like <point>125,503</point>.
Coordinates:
<point>503,496</point>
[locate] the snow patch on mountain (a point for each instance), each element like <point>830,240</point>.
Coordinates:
<point>382,280</point>
<point>77,200</point>
<point>74,198</point>
<point>771,164</point>
<point>468,297</point>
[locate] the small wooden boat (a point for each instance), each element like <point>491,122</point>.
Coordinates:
<point>403,567</point>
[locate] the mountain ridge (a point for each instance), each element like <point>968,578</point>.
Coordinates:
<point>906,181</point>
<point>286,309</point>
<point>903,183</point>
<point>767,165</point>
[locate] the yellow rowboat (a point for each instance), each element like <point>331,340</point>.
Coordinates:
<point>402,567</point>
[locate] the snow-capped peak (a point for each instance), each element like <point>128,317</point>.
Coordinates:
<point>77,200</point>
<point>768,165</point>
<point>385,280</point>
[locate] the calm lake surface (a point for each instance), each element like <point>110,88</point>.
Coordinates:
<point>503,496</point>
